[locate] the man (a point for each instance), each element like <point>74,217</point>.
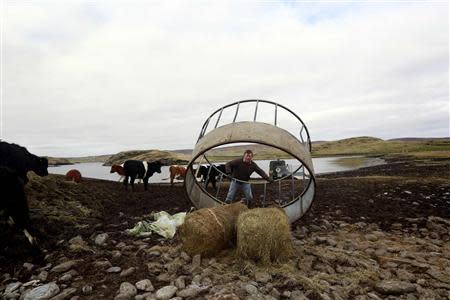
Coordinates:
<point>241,169</point>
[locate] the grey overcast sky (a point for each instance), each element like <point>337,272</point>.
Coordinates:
<point>97,77</point>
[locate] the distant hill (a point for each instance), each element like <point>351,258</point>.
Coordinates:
<point>375,146</point>
<point>166,157</point>
<point>365,145</point>
<point>55,161</point>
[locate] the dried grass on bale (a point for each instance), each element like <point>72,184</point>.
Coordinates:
<point>207,231</point>
<point>263,235</point>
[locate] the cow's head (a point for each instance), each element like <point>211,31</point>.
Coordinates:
<point>156,165</point>
<point>38,165</point>
<point>116,168</point>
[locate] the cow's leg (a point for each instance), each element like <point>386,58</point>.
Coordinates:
<point>145,183</point>
<point>213,181</point>
<point>125,182</point>
<point>171,178</point>
<point>132,182</point>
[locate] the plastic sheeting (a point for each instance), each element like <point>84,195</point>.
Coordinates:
<point>164,225</point>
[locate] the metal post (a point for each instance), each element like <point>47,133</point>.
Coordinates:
<point>292,187</point>
<point>207,176</point>
<point>264,198</point>
<point>256,110</point>
<point>220,115</point>
<point>276,112</point>
<point>237,109</point>
<point>220,183</point>
<point>279,191</point>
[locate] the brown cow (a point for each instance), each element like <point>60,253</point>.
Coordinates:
<point>73,175</point>
<point>177,172</point>
<point>119,170</point>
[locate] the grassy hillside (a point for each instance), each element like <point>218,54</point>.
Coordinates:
<point>55,161</point>
<point>166,157</point>
<point>375,146</point>
<point>417,147</point>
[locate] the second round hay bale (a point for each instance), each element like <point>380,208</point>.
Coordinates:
<point>209,230</point>
<point>263,235</point>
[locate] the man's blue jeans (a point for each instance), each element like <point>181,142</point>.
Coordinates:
<point>245,187</point>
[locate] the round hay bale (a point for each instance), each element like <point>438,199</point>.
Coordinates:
<point>208,230</point>
<point>264,235</point>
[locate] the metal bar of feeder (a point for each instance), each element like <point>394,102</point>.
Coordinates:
<point>292,186</point>
<point>237,109</point>
<point>279,191</point>
<point>207,176</point>
<point>256,110</point>
<point>276,112</point>
<point>301,136</point>
<point>220,184</point>
<point>264,198</point>
<point>218,118</point>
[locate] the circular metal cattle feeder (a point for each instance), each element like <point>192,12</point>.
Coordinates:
<point>294,191</point>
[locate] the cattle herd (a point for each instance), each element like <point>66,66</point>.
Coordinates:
<point>16,161</point>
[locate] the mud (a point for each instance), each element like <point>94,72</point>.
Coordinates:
<point>396,199</point>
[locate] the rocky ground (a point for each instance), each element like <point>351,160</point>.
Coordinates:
<point>376,233</point>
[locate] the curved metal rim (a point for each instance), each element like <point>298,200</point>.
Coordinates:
<point>264,101</point>
<point>189,167</point>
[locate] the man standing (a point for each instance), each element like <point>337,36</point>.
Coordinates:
<point>241,169</point>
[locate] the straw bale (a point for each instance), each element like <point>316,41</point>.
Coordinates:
<point>263,235</point>
<point>209,230</point>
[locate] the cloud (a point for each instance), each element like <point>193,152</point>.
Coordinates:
<point>84,78</point>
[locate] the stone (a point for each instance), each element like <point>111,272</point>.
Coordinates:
<point>102,264</point>
<point>45,291</point>
<point>180,282</point>
<point>66,277</point>
<point>114,270</point>
<point>405,275</point>
<point>190,291</point>
<point>28,266</point>
<point>127,272</point>
<point>297,295</point>
<point>65,294</point>
<point>184,256</point>
<point>371,237</point>
<point>42,276</point>
<point>263,277</point>
<point>127,288</point>
<point>65,266</point>
<point>197,279</point>
<point>196,261</point>
<point>101,238</point>
<point>392,287</point>
<point>251,289</point>
<point>87,289</point>
<point>116,254</point>
<point>12,287</point>
<point>145,285</point>
<point>164,277</point>
<point>231,296</point>
<point>438,275</point>
<point>166,292</point>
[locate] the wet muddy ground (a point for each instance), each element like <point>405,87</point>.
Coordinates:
<point>386,208</point>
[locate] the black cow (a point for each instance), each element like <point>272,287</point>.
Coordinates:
<point>14,201</point>
<point>210,173</point>
<point>15,162</point>
<point>139,169</point>
<point>21,161</point>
